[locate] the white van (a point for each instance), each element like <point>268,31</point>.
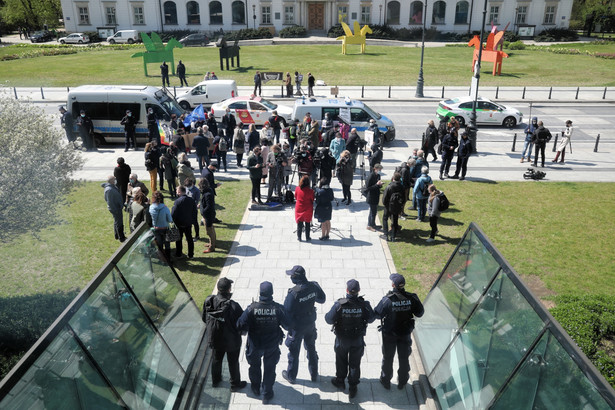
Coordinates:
<point>354,111</point>
<point>207,93</point>
<point>124,36</point>
<point>106,105</point>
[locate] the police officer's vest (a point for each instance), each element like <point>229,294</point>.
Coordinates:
<point>351,323</point>
<point>263,320</point>
<point>401,317</point>
<point>305,295</point>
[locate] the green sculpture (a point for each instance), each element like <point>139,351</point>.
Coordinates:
<point>157,52</point>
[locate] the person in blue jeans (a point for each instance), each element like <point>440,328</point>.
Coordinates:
<point>421,192</point>
<point>529,132</point>
<point>161,218</point>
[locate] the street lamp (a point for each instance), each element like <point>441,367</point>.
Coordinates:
<point>380,18</point>
<point>475,81</point>
<point>419,82</point>
<point>254,15</point>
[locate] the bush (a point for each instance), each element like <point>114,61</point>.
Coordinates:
<point>293,32</point>
<point>557,34</point>
<point>517,45</point>
<point>248,34</point>
<point>336,31</point>
<point>511,37</point>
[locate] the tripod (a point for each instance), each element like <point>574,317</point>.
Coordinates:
<point>362,166</point>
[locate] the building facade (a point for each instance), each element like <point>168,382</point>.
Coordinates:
<point>317,16</point>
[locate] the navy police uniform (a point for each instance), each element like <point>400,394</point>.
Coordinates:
<point>262,321</point>
<point>220,313</point>
<point>397,310</point>
<point>299,305</point>
<point>349,317</point>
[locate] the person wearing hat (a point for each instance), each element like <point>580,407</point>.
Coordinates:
<point>349,317</point>
<point>86,129</point>
<point>66,120</point>
<point>299,306</point>
<point>397,311</point>
<point>220,314</point>
<point>130,126</point>
<point>263,322</point>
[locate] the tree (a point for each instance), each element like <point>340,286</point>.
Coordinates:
<point>36,166</point>
<point>31,13</point>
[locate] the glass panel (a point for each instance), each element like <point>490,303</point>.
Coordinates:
<point>550,379</point>
<point>61,378</point>
<point>163,297</point>
<point>125,346</point>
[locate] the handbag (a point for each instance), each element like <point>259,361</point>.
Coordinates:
<point>172,234</point>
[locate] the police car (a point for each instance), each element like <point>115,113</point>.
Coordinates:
<point>487,112</point>
<point>250,110</point>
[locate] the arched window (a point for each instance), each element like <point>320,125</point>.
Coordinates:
<point>170,12</point>
<point>416,12</point>
<point>461,12</point>
<point>239,12</point>
<point>393,13</point>
<point>215,12</point>
<point>439,12</point>
<point>194,16</point>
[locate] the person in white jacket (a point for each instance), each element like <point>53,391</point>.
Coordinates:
<point>561,148</point>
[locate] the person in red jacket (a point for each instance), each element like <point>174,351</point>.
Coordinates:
<point>304,207</point>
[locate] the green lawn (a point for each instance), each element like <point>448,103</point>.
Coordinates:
<point>379,66</point>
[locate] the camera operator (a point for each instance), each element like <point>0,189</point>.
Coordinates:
<point>353,145</point>
<point>276,161</point>
<point>304,159</point>
<point>326,163</point>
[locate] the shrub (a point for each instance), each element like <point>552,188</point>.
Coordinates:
<point>335,31</point>
<point>410,34</point>
<point>517,45</point>
<point>248,34</point>
<point>557,34</point>
<point>293,32</point>
<point>511,36</point>
<point>383,32</point>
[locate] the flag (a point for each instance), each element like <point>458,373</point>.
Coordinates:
<point>197,114</point>
<point>166,134</point>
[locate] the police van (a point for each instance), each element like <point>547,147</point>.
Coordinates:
<point>354,112</point>
<point>106,105</point>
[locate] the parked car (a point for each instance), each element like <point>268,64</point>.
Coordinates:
<point>75,38</point>
<point>207,93</point>
<point>487,111</point>
<point>250,110</point>
<point>124,36</point>
<point>41,36</point>
<point>197,39</point>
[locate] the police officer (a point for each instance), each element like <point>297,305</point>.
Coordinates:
<point>299,305</point>
<point>397,310</point>
<point>262,321</point>
<point>349,317</point>
<point>86,129</point>
<point>152,126</point>
<point>66,120</point>
<point>130,126</point>
<point>220,313</point>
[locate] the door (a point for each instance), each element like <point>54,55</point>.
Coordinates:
<point>316,16</point>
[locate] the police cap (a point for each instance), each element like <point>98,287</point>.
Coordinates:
<point>296,270</point>
<point>352,286</point>
<point>224,284</point>
<point>398,280</point>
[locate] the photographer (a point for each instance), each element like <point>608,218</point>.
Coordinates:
<point>326,163</point>
<point>345,175</point>
<point>304,160</point>
<point>276,161</point>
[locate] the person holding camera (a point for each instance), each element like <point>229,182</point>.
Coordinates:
<point>276,161</point>
<point>345,175</point>
<point>326,163</point>
<point>304,160</point>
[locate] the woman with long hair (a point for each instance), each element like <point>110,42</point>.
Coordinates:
<point>433,208</point>
<point>324,196</point>
<point>304,207</point>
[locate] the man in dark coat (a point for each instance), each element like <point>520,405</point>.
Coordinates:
<point>184,215</point>
<point>377,155</point>
<point>353,145</point>
<point>275,121</point>
<point>431,140</point>
<point>220,313</point>
<point>164,73</point>
<point>449,143</point>
<point>130,126</point>
<point>393,205</point>
<point>372,195</point>
<point>181,73</point>
<point>212,125</point>
<point>229,123</point>
<point>208,173</point>
<point>66,120</point>
<point>86,131</point>
<point>463,153</point>
<point>540,138</point>
<point>122,173</point>
<point>263,322</point>
<point>397,311</point>
<point>349,317</point>
<point>115,204</point>
<point>152,126</point>
<point>311,84</point>
<point>257,83</point>
<point>299,305</point>
<point>407,182</point>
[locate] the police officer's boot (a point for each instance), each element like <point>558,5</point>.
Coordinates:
<point>352,390</point>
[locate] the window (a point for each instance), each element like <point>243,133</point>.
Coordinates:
<point>393,12</point>
<point>439,12</point>
<point>139,16</point>
<point>194,14</point>
<point>170,12</point>
<point>239,12</point>
<point>289,14</point>
<point>342,14</point>
<point>84,15</point>
<point>461,12</point>
<point>238,105</point>
<point>550,15</point>
<point>521,15</point>
<point>416,12</point>
<point>494,14</point>
<point>215,12</point>
<point>358,115</point>
<point>266,14</point>
<point>366,15</point>
<point>110,15</point>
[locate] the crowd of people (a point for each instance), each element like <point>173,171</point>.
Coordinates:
<point>265,320</point>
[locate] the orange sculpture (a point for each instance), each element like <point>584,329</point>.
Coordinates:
<point>490,51</point>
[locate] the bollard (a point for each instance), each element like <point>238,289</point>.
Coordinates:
<point>442,92</point>
<point>604,93</point>
<point>550,91</point>
<point>42,95</point>
<point>523,96</point>
<point>362,91</point>
<point>67,89</point>
<point>337,89</point>
<point>597,141</point>
<point>576,97</point>
<point>555,141</point>
<point>389,91</point>
<point>497,91</point>
<point>282,91</point>
<point>174,92</point>
<point>15,92</point>
<point>514,142</point>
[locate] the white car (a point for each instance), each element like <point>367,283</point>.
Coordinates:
<point>487,112</point>
<point>75,38</point>
<point>250,110</point>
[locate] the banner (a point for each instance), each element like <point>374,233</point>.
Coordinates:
<point>277,76</point>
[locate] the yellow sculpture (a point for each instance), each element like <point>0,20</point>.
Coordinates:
<point>357,38</point>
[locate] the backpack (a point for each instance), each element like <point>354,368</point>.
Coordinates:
<point>223,144</point>
<point>444,202</point>
<point>396,203</point>
<point>425,188</point>
<point>215,324</point>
